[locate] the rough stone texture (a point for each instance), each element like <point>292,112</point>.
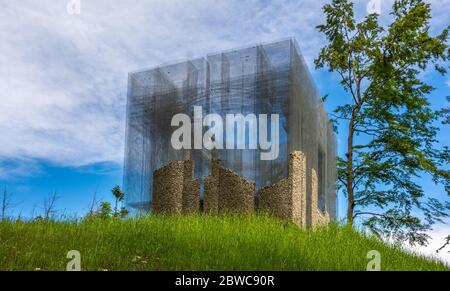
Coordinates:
<point>297,176</point>
<point>168,188</point>
<point>191,197</point>
<point>174,189</point>
<point>227,192</point>
<point>277,199</point>
<point>211,197</point>
<point>317,216</point>
<point>287,198</point>
<point>191,189</point>
<point>236,195</point>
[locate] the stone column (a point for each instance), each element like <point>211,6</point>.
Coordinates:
<point>174,189</point>
<point>168,189</point>
<point>287,198</point>
<point>297,176</point>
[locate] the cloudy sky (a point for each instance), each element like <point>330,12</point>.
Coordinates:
<point>63,79</point>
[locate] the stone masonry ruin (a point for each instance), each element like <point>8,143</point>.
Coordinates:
<point>262,79</point>
<point>176,192</point>
<point>286,199</point>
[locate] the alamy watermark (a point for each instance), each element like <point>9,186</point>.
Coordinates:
<point>374,261</point>
<point>235,132</point>
<point>75,261</point>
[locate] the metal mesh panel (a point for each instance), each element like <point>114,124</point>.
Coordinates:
<point>263,79</point>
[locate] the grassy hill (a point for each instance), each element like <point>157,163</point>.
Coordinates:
<point>251,242</point>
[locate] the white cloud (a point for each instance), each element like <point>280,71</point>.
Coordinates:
<point>438,235</point>
<point>63,78</point>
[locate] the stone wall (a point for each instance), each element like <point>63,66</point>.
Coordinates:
<point>287,198</point>
<point>317,216</point>
<point>174,189</point>
<point>168,188</point>
<point>297,178</point>
<point>236,195</point>
<point>227,192</point>
<point>211,183</point>
<point>191,189</point>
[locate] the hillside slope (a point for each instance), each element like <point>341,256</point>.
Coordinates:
<point>251,242</point>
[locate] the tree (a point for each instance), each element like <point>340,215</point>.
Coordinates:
<point>447,242</point>
<point>49,206</point>
<point>6,204</point>
<point>446,120</point>
<point>119,195</point>
<point>93,205</point>
<point>123,212</point>
<point>391,139</point>
<point>105,209</point>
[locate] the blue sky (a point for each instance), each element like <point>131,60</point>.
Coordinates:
<point>63,81</point>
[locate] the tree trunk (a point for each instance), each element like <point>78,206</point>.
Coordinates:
<point>349,154</point>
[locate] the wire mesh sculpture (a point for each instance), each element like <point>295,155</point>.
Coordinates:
<point>262,79</point>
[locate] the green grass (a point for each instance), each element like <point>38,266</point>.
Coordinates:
<point>251,242</point>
